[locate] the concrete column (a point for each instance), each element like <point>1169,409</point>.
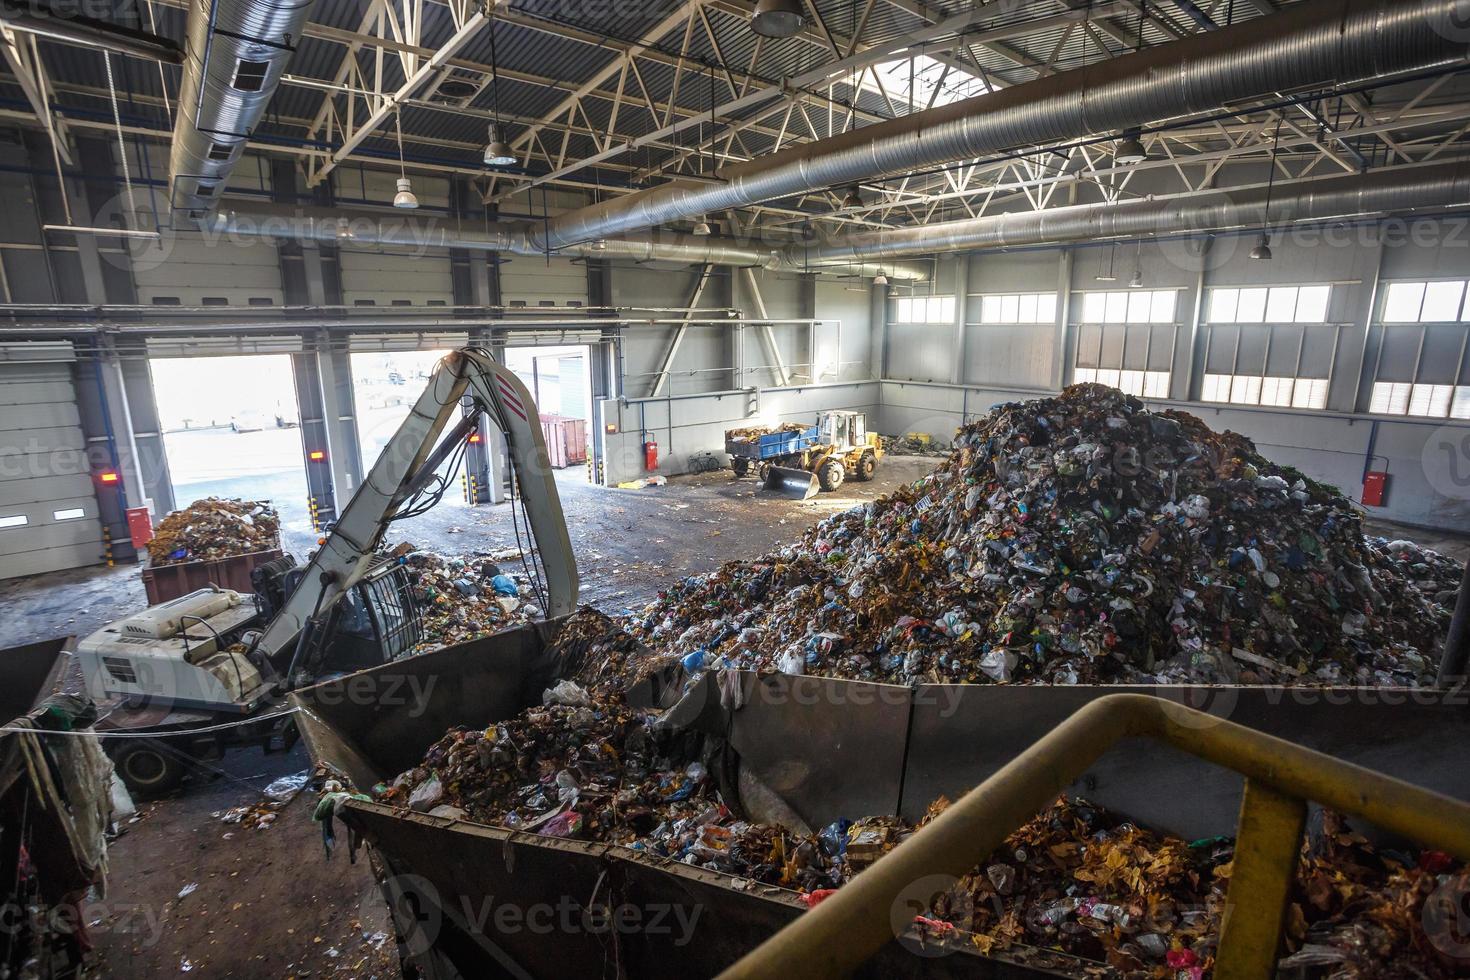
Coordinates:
<point>1066,335</point>
<point>1192,383</point>
<point>1351,385</point>
<point>961,304</point>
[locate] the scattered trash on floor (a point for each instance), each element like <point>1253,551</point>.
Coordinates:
<point>639,484</point>
<point>188,889</point>
<point>284,789</point>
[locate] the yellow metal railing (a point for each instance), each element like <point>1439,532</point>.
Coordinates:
<point>842,932</point>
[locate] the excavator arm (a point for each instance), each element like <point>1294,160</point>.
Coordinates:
<point>405,467</point>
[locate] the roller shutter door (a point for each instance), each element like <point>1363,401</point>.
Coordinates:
<point>48,506</point>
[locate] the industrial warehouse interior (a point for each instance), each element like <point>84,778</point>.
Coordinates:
<point>741,488</point>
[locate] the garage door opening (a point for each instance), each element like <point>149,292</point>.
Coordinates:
<point>230,430</point>
<point>560,380</point>
<point>385,385</point>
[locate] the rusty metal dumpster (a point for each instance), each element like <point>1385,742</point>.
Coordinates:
<point>485,899</point>
<point>472,900</point>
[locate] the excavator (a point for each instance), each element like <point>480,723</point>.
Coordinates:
<point>210,670</point>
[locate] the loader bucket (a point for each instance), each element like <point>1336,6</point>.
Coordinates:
<point>792,484</point>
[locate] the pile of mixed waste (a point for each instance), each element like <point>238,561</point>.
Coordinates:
<point>1074,879</point>
<point>464,598</point>
<point>1080,539</point>
<point>913,444</point>
<point>215,527</point>
<point>753,432</point>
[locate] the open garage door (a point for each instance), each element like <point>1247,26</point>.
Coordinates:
<point>230,429</point>
<point>560,380</point>
<point>48,503</point>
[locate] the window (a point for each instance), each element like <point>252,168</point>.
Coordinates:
<point>926,82</point>
<point>1144,384</point>
<point>1020,308</point>
<point>1269,390</point>
<point>68,515</point>
<point>1269,304</point>
<point>401,302</point>
<point>15,520</point>
<point>1436,401</point>
<point>1131,306</point>
<point>215,301</point>
<point>1426,302</point>
<point>261,301</point>
<point>364,302</point>
<point>923,309</point>
<point>1126,340</point>
<point>1421,366</point>
<point>165,301</point>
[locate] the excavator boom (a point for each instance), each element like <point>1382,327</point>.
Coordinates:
<point>402,471</point>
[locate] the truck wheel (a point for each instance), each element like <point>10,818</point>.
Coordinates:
<point>831,474</point>
<point>148,769</point>
<point>762,472</point>
<point>865,468</point>
<point>740,465</point>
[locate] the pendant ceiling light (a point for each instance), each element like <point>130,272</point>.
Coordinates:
<point>778,18</point>
<point>1137,281</point>
<point>702,228</point>
<point>1130,149</point>
<point>880,279</point>
<point>404,198</point>
<point>1262,251</point>
<point>497,152</point>
<point>853,198</point>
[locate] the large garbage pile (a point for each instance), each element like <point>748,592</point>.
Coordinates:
<point>1080,539</point>
<point>215,527</point>
<point>1076,878</point>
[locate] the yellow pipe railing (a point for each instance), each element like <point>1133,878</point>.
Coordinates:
<point>837,936</point>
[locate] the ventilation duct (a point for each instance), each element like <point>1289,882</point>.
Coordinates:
<point>1316,45</point>
<point>234,54</point>
<point>371,229</point>
<point>1405,189</point>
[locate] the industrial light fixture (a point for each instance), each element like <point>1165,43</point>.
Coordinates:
<point>497,152</point>
<point>1130,149</point>
<point>1262,251</point>
<point>880,279</point>
<point>777,18</point>
<point>600,245</point>
<point>344,230</point>
<point>853,198</point>
<point>1137,281</point>
<point>702,228</point>
<point>404,198</point>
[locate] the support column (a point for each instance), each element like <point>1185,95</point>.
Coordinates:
<point>1190,386</point>
<point>1066,342</point>
<point>1355,392</point>
<point>961,307</point>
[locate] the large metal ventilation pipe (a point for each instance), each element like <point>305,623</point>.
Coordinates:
<point>365,228</point>
<point>234,54</point>
<point>1316,45</point>
<point>1405,189</point>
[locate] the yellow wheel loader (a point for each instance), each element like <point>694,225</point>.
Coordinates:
<point>798,462</point>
